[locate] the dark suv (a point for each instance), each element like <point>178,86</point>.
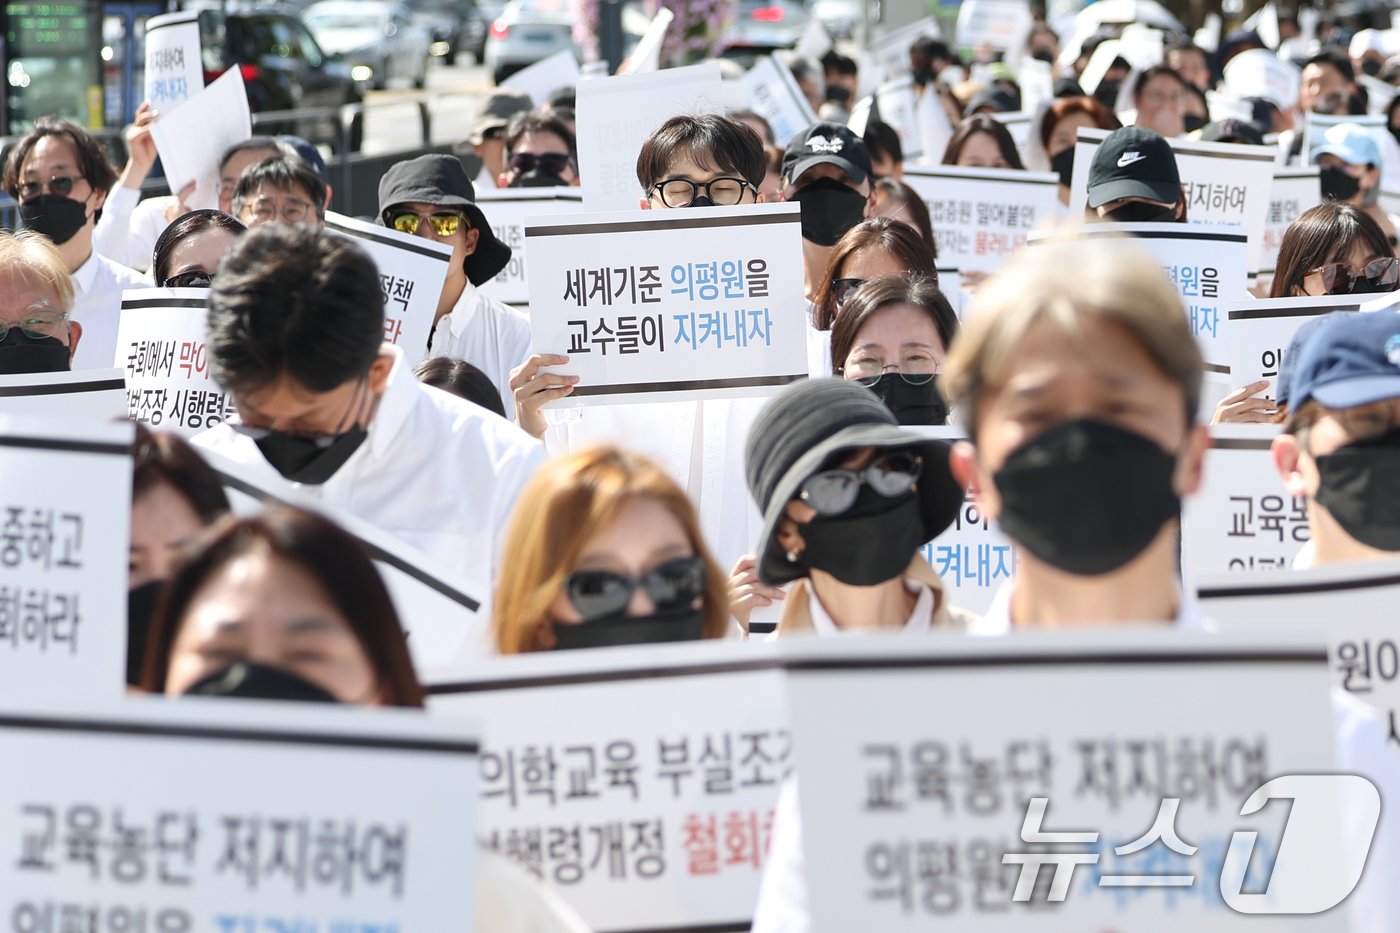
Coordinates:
<point>283,69</point>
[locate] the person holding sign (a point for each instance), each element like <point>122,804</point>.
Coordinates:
<point>280,190</point>
<point>129,226</point>
<point>827,170</point>
<point>704,161</point>
<point>296,336</point>
<point>1059,130</point>
<point>1134,179</point>
<point>188,252</point>
<point>36,296</point>
<point>1159,97</point>
<point>606,550</point>
<point>1350,168</point>
<point>431,197</point>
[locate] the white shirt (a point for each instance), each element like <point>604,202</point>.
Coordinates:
<point>997,619</point>
<point>510,900</point>
<point>97,305</point>
<point>920,620</point>
<point>128,230</point>
<point>436,471</point>
<point>492,337</point>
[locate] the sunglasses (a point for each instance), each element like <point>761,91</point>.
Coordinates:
<point>444,223</point>
<point>832,492</point>
<point>843,289</point>
<point>1378,275</point>
<point>553,163</point>
<point>598,594</point>
<point>195,278</point>
<point>61,185</point>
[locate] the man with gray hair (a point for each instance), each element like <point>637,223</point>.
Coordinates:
<point>36,297</point>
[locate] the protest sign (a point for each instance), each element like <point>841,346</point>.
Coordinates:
<point>1241,518</point>
<point>646,54</point>
<point>1001,25</point>
<point>935,129</point>
<point>1224,183</point>
<point>1294,190</point>
<point>90,394</point>
<point>890,50</point>
<point>1261,73</point>
<point>616,115</point>
<point>641,820</point>
<point>65,531</point>
<point>411,272</point>
<point>507,209</point>
<point>545,76</point>
<point>1037,81</point>
<point>1260,331</point>
<point>896,105</point>
<point>1146,743</point>
<point>815,41</point>
<point>1351,606</point>
<point>982,215</point>
<point>162,352</point>
<point>775,96</point>
<point>446,617</point>
<point>174,66</point>
<point>860,115</point>
<point>151,815</point>
<point>192,139</point>
<point>670,305</point>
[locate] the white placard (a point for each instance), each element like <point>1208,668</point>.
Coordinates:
<point>1294,190</point>
<point>1379,94</point>
<point>411,272</point>
<point>162,351</point>
<point>775,96</point>
<point>1241,518</point>
<point>237,815</point>
<point>174,66</point>
<point>646,55</point>
<point>895,103</point>
<point>1350,605</point>
<point>891,50</point>
<point>1261,73</point>
<point>1225,183</point>
<point>616,115</point>
<point>191,139</point>
<point>983,215</point>
<point>1261,330</point>
<point>1001,25</point>
<point>935,128</point>
<point>642,815</point>
<point>815,41</point>
<point>906,815</point>
<point>88,394</point>
<point>545,76</point>
<point>670,305</point>
<point>65,532</point>
<point>1037,81</point>
<point>447,618</point>
<point>506,209</point>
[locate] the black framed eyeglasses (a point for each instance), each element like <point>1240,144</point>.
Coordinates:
<point>553,163</point>
<point>195,278</point>
<point>598,594</point>
<point>722,192</point>
<point>1378,275</point>
<point>36,324</point>
<point>832,492</point>
<point>444,223</point>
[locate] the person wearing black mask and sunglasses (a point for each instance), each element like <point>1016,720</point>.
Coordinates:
<point>541,152</point>
<point>827,170</point>
<point>431,197</point>
<point>36,296</point>
<point>1133,178</point>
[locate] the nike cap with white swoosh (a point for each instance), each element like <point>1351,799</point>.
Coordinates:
<point>1133,162</point>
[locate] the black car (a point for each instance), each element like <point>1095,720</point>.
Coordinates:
<point>456,26</point>
<point>283,69</point>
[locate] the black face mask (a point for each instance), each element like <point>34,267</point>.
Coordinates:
<point>1087,497</point>
<point>1371,66</point>
<point>21,353</point>
<point>538,178</point>
<point>872,542</point>
<point>304,460</point>
<point>1063,165</point>
<point>701,201</point>
<point>922,75</point>
<point>140,609</point>
<point>1337,184</point>
<point>1044,55</point>
<point>911,404</point>
<point>1193,122</point>
<point>248,680</point>
<point>1140,212</point>
<point>57,218</point>
<point>829,209</point>
<point>677,625</point>
<point>1360,485</point>
<point>1107,94</point>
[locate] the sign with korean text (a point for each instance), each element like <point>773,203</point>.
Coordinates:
<point>204,815</point>
<point>1294,191</point>
<point>174,66</point>
<point>163,353</point>
<point>88,394</point>
<point>1351,606</point>
<point>65,530</point>
<point>1135,762</point>
<point>506,210</point>
<point>1225,184</point>
<point>993,24</point>
<point>670,305</point>
<point>1262,329</point>
<point>641,814</point>
<point>411,272</point>
<point>191,140</point>
<point>982,215</point>
<point>775,96</point>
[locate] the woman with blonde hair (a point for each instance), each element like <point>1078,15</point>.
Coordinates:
<point>605,549</point>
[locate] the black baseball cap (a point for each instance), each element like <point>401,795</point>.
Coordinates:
<point>827,144</point>
<point>1134,163</point>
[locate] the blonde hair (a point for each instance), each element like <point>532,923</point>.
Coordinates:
<point>34,253</point>
<point>567,502</point>
<point>1064,283</point>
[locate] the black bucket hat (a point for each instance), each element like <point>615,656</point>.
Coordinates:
<point>796,434</point>
<point>439,179</point>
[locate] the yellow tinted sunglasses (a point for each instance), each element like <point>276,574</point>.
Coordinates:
<point>444,223</point>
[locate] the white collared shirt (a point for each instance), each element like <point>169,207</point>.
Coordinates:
<point>97,305</point>
<point>436,471</point>
<point>492,337</point>
<point>129,227</point>
<point>920,620</point>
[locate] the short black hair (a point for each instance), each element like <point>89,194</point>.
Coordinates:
<point>565,97</point>
<point>294,301</point>
<point>883,141</point>
<point>932,49</point>
<point>834,61</point>
<point>282,173</point>
<point>713,141</point>
<point>1337,60</point>
<point>463,380</point>
<point>535,121</point>
<point>93,164</point>
<point>186,226</point>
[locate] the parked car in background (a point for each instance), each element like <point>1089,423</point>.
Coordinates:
<point>283,68</point>
<point>455,26</point>
<point>525,32</point>
<point>762,27</point>
<point>380,40</point>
